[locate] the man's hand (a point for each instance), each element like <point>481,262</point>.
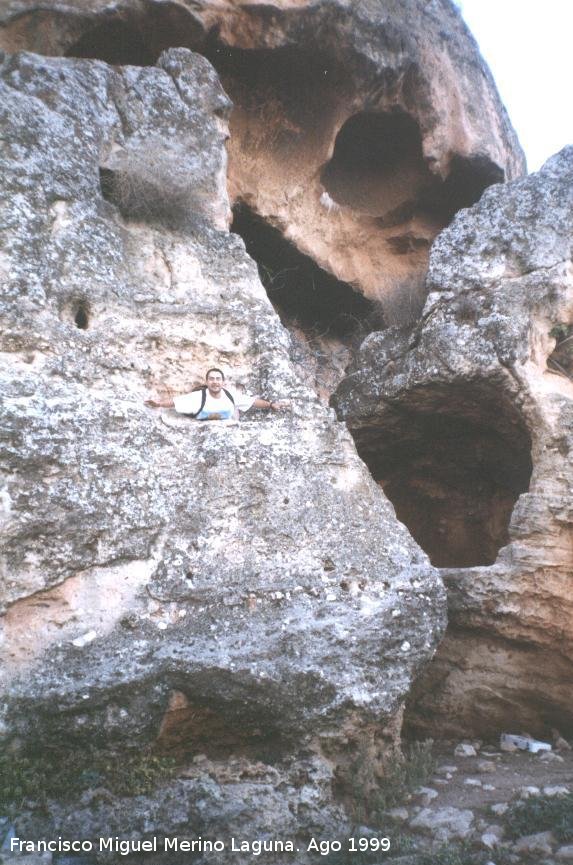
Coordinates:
<point>280,405</point>
<point>163,398</point>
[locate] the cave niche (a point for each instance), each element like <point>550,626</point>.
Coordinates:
<point>137,39</point>
<point>378,169</point>
<point>453,460</point>
<point>115,42</point>
<point>327,318</point>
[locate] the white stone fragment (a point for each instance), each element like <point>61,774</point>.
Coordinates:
<point>465,750</point>
<point>82,641</point>
<point>444,823</point>
<point>557,790</point>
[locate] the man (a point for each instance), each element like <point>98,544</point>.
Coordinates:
<point>214,402</point>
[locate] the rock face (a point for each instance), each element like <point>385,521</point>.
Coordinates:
<point>234,590</point>
<point>465,422</point>
<point>358,130</point>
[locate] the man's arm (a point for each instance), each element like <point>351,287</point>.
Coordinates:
<point>270,404</point>
<point>162,402</point>
<point>162,398</point>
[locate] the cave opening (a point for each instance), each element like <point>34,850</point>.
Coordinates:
<point>138,39</point>
<point>378,169</point>
<point>328,318</point>
<point>467,179</point>
<point>116,42</point>
<point>453,460</point>
<point>292,87</point>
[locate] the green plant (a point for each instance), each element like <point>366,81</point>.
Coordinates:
<point>402,776</point>
<point>540,814</point>
<point>561,331</point>
<point>62,776</point>
<point>371,796</point>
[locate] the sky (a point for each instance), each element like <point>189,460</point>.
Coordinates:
<point>528,48</point>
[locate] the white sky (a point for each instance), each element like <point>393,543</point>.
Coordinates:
<point>528,47</point>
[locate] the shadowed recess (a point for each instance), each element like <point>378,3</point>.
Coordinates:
<point>304,295</point>
<point>286,92</point>
<point>138,38</point>
<point>81,317</point>
<point>453,460</point>
<point>114,42</point>
<point>378,169</point>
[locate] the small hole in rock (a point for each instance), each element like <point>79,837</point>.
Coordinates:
<point>81,318</point>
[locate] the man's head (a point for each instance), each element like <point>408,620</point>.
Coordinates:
<point>214,378</point>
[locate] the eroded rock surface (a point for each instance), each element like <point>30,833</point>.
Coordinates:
<point>358,131</point>
<point>234,590</point>
<point>465,423</point>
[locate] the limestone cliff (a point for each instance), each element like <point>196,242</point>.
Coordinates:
<point>245,595</point>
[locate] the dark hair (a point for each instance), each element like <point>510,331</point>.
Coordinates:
<point>215,369</point>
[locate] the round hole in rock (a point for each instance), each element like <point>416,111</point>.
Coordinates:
<point>107,184</point>
<point>453,460</point>
<point>378,167</point>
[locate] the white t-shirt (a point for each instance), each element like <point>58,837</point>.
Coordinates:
<point>190,403</point>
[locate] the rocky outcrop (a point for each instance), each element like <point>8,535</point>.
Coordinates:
<point>465,424</point>
<point>358,130</point>
<point>239,591</point>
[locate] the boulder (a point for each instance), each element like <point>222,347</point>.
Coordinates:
<point>444,823</point>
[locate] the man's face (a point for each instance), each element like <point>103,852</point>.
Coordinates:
<point>214,383</point>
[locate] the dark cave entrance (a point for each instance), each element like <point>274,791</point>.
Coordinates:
<point>378,168</point>
<point>137,39</point>
<point>453,461</point>
<point>294,86</point>
<point>326,317</point>
<point>115,42</point>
